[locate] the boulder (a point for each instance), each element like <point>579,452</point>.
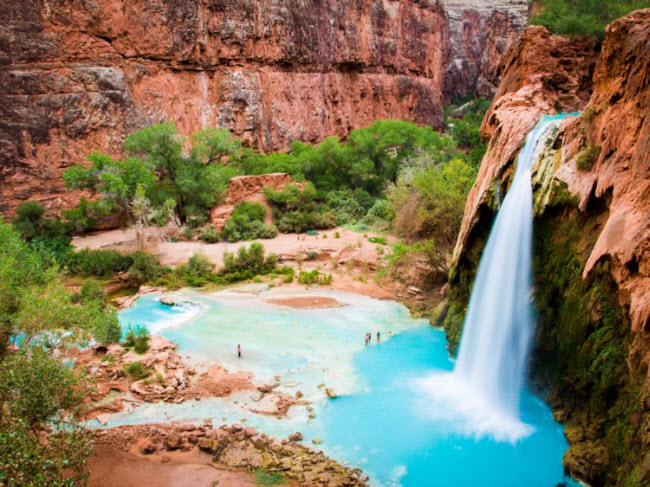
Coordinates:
<point>174,441</point>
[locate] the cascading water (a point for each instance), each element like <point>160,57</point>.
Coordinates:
<point>487,381</point>
<point>498,325</point>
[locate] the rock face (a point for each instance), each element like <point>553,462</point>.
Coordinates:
<point>541,74</point>
<point>246,188</point>
<point>480,33</point>
<point>616,122</point>
<point>79,76</point>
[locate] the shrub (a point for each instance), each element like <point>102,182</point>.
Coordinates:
<point>348,205</point>
<point>263,477</point>
<point>36,391</point>
<point>296,209</point>
<point>582,17</point>
<point>429,198</point>
<point>314,277</point>
<point>378,240</point>
<point>137,337</point>
<point>92,291</point>
<point>98,263</point>
<point>247,223</point>
<point>106,327</point>
<point>200,265</point>
<point>380,213</point>
<point>31,225</point>
<point>587,158</point>
<point>210,235</point>
<point>248,261</point>
<point>137,370</point>
<point>188,233</point>
<point>288,274</point>
<point>145,267</point>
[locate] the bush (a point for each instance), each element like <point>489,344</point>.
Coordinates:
<point>137,337</point>
<point>247,223</point>
<point>31,225</point>
<point>587,158</point>
<point>106,327</point>
<point>296,209</point>
<point>380,213</point>
<point>98,263</point>
<point>429,198</point>
<point>349,206</point>
<point>92,291</point>
<point>288,273</point>
<point>35,387</point>
<point>145,268</point>
<point>200,265</point>
<point>36,393</point>
<point>137,370</point>
<point>582,17</point>
<point>314,277</point>
<point>188,233</point>
<point>248,261</point>
<point>210,235</point>
<point>263,477</point>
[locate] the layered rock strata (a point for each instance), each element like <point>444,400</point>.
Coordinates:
<point>78,76</point>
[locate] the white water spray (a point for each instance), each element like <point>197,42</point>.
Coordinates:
<point>487,381</point>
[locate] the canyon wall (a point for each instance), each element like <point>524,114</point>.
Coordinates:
<point>591,237</point>
<point>80,75</point>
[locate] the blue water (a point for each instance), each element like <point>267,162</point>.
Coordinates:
<point>383,422</point>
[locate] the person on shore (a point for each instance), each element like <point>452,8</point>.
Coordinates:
<point>239,351</point>
<point>378,337</point>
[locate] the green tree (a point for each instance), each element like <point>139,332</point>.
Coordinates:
<point>211,144</point>
<point>38,394</point>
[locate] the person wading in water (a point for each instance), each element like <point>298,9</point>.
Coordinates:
<point>239,351</point>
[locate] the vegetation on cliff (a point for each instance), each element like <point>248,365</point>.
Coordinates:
<point>582,17</point>
<point>581,353</point>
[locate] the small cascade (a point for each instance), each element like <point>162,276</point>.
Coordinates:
<point>499,322</point>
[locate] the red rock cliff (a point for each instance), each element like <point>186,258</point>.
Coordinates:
<point>80,75</point>
<point>544,74</point>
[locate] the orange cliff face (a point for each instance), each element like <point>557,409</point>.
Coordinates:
<point>546,74</point>
<point>620,127</point>
<point>78,76</point>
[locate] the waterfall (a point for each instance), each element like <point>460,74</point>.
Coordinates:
<point>486,384</point>
<point>499,322</point>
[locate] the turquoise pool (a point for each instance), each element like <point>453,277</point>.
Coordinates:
<point>384,421</point>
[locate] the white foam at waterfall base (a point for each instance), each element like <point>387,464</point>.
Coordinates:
<point>481,396</point>
<point>453,403</point>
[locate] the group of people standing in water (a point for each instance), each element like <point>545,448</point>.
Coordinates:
<point>369,338</point>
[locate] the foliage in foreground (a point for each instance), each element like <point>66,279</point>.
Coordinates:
<point>38,393</point>
<point>35,307</point>
<point>582,17</point>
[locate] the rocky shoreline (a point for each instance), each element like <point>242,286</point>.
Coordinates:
<point>234,447</point>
